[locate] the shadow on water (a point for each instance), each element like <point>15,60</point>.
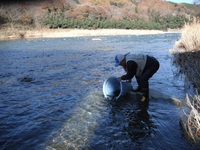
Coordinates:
<point>128,126</point>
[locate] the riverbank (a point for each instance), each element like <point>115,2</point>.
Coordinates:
<point>12,34</point>
<point>186,54</point>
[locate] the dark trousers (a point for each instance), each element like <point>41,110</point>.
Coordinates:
<point>151,67</point>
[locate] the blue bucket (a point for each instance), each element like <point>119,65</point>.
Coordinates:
<point>114,89</point>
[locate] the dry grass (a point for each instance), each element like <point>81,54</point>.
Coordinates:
<point>187,59</point>
<point>13,31</point>
<point>190,39</point>
<point>191,123</point>
<point>188,64</point>
<point>6,34</point>
<point>187,53</point>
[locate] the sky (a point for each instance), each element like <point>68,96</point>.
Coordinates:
<point>182,1</point>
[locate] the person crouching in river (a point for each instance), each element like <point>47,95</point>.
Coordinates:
<point>143,67</point>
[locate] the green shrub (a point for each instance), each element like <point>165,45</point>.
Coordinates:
<point>58,20</point>
<point>173,22</point>
<point>118,4</point>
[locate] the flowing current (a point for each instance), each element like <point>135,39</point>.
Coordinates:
<point>51,95</point>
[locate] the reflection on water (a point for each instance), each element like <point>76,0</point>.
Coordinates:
<point>51,95</point>
<point>139,125</point>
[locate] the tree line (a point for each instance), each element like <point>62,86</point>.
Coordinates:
<point>58,20</point>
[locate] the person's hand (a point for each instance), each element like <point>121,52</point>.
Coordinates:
<point>119,79</point>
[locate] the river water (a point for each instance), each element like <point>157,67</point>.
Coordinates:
<point>51,95</point>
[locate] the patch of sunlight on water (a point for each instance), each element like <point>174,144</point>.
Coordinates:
<point>79,129</point>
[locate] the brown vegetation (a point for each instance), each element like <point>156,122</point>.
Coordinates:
<point>186,57</point>
<point>33,13</point>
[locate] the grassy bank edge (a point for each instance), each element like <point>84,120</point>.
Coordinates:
<point>186,54</point>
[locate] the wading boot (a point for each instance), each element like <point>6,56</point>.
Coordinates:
<point>145,95</point>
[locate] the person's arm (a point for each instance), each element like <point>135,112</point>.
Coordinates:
<point>131,70</point>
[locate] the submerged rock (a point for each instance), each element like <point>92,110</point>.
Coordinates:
<point>26,79</point>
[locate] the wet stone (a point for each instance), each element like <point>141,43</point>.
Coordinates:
<point>26,79</point>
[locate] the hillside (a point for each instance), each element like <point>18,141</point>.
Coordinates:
<point>37,13</point>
